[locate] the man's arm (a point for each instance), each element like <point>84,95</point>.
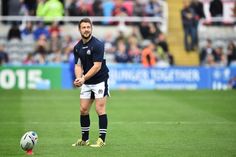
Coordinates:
<point>78,74</point>
<point>78,71</point>
<point>95,68</point>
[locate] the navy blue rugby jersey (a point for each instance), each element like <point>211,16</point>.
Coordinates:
<point>87,54</point>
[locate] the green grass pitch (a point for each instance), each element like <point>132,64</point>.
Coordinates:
<point>141,123</point>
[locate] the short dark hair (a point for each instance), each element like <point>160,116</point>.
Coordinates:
<point>86,20</point>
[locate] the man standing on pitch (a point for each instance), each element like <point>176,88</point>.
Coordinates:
<point>91,75</point>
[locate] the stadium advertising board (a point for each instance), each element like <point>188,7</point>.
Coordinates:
<point>139,77</point>
<point>30,77</point>
<point>122,76</point>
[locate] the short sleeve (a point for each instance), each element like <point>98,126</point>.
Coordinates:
<point>76,56</point>
<point>98,52</point>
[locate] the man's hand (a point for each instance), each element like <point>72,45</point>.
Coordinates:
<point>79,81</point>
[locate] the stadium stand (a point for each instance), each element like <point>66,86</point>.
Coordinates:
<point>19,50</point>
<point>122,19</point>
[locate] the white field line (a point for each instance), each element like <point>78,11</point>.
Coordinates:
<point>69,98</point>
<point>124,122</point>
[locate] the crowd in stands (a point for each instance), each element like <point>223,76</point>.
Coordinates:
<point>49,46</point>
<point>85,7</point>
<point>218,56</point>
<point>146,45</point>
<point>192,13</point>
<point>52,46</point>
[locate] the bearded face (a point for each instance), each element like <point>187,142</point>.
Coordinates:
<point>85,30</point>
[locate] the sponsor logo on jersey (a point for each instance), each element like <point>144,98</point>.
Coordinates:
<point>88,52</point>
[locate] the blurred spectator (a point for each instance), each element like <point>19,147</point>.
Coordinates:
<point>55,57</point>
<point>107,8</point>
<point>128,4</point>
<point>219,56</point>
<point>41,50</point>
<point>234,10</point>
<point>216,8</point>
<point>187,14</point>
<point>27,32</point>
<point>41,29</point>
<point>121,54</point>
<point>14,7</point>
<point>197,7</point>
<point>50,10</point>
<point>149,30</point>
<point>148,57</point>
<point>154,31</point>
<point>121,36</point>
<point>42,46</point>
<point>119,9</point>
<point>73,8</point>
<point>231,53</point>
<point>144,29</point>
<point>109,47</point>
<point>55,42</point>
<point>14,32</point>
<point>67,48</point>
<point>207,50</point>
<point>138,8</point>
<point>210,61</point>
<point>109,41</point>
<point>161,41</point>
<point>67,43</point>
<point>24,11</point>
<point>232,83</point>
<point>83,10</point>
<point>40,58</point>
<point>153,8</point>
<point>79,8</point>
<point>31,6</point>
<point>40,7</point>
<point>134,50</point>
<point>29,60</point>
<point>97,8</point>
<point>3,55</point>
<point>136,33</point>
<point>54,27</point>
<point>163,49</point>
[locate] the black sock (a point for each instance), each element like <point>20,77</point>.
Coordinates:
<point>102,126</point>
<point>85,124</point>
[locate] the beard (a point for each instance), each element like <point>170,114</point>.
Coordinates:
<point>86,37</point>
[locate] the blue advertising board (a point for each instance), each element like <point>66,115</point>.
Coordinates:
<point>122,76</point>
<point>138,77</point>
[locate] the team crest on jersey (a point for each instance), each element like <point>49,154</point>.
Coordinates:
<point>88,52</point>
<point>100,91</point>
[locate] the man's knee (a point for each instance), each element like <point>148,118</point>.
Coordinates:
<point>100,108</point>
<point>84,110</point>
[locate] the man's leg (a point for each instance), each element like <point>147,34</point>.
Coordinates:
<point>85,105</point>
<point>186,43</point>
<point>102,116</point>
